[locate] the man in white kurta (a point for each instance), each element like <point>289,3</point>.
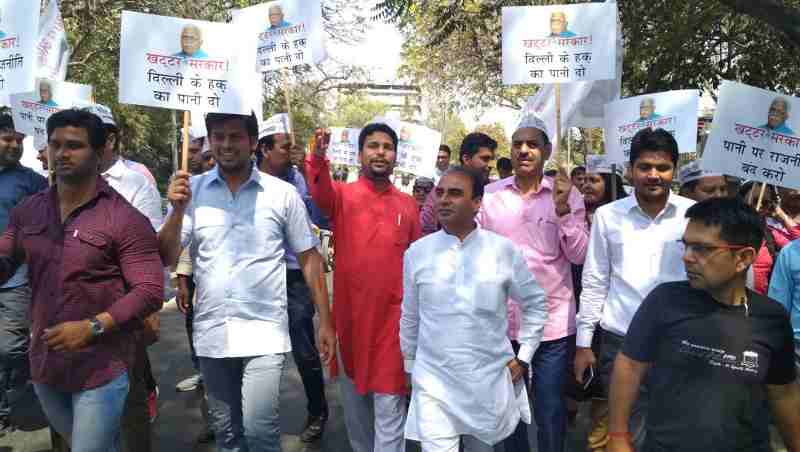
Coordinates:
<point>466,381</point>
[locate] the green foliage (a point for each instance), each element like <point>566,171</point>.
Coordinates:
<point>354,110</point>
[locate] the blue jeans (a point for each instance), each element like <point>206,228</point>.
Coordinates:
<point>89,420</point>
<point>243,401</point>
<point>549,367</point>
<point>14,342</point>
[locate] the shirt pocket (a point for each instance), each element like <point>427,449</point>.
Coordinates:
<point>91,248</point>
<point>544,235</point>
<point>34,241</point>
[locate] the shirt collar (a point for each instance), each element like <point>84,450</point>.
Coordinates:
<point>116,170</point>
<point>255,176</point>
<point>669,207</point>
<point>468,239</point>
<point>373,187</point>
<point>511,183</point>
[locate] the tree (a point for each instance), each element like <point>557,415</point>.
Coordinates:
<point>669,44</point>
<point>354,110</point>
<point>446,121</point>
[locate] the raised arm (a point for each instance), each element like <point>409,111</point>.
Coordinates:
<point>171,232</point>
<point>318,176</point>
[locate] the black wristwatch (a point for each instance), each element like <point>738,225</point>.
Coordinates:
<point>96,326</point>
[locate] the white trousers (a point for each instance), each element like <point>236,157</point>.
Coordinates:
<point>375,422</point>
<point>471,444</point>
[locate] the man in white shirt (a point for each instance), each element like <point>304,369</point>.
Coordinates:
<point>466,382</point>
<point>633,247</point>
<point>143,195</point>
<point>238,223</point>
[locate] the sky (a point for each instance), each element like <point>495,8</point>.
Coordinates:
<point>382,44</point>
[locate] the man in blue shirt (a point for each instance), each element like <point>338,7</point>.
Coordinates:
<point>274,158</point>
<point>16,183</point>
<point>784,287</point>
<point>777,116</point>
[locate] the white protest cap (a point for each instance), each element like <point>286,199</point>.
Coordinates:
<point>275,124</point>
<point>600,164</point>
<point>692,172</point>
<point>103,112</point>
<point>532,120</point>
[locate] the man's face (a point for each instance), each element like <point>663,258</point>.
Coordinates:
<point>275,16</point>
<point>42,157</point>
<point>709,265</point>
<point>481,161</point>
<point>529,151</point>
<point>578,178</point>
<point>208,161</point>
<point>442,160</point>
<point>593,189</point>
<point>558,23</point>
<point>710,187</point>
<point>191,40</point>
<point>378,155</point>
<point>10,147</point>
<point>45,92</point>
<point>75,160</point>
<point>455,206</point>
<point>231,145</point>
<point>195,162</point>
<point>646,109</point>
<point>278,158</point>
<point>651,175</point>
<point>777,113</point>
<point>421,192</point>
<point>790,199</point>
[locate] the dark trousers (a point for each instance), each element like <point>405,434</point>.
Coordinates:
<point>518,441</point>
<point>304,346</point>
<point>14,343</point>
<point>136,434</point>
<point>549,368</point>
<point>611,344</point>
<point>190,320</point>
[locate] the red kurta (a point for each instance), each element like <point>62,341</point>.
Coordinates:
<point>372,230</point>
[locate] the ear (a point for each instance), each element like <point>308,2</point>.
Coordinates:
<point>745,258</point>
<point>546,151</point>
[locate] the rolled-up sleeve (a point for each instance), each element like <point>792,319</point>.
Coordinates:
<point>595,280</point>
<point>140,264</point>
<point>533,306</point>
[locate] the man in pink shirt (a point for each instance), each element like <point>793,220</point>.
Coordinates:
<point>545,218</point>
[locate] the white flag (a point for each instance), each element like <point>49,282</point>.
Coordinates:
<point>582,103</point>
<point>52,48</point>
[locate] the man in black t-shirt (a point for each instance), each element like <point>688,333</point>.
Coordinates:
<point>716,352</point>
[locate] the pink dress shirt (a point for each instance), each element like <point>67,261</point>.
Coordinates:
<point>549,245</point>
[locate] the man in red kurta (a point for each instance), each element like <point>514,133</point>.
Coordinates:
<point>373,223</point>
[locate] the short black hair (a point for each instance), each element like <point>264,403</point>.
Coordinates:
<point>577,170</point>
<point>473,142</point>
<point>474,176</point>
<point>504,163</point>
<point>654,140</point>
<point>372,128</point>
<point>83,120</point>
<point>6,123</point>
<point>250,122</point>
<point>446,148</point>
<point>551,173</point>
<point>739,223</point>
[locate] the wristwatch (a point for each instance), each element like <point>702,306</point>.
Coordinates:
<point>96,326</point>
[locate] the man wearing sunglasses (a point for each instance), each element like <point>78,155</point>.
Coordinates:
<point>715,352</point>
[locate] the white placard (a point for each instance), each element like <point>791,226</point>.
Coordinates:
<point>288,32</point>
<point>279,123</point>
<point>756,136</point>
<point>559,43</point>
<point>673,111</point>
<point>343,148</point>
<point>52,49</point>
<point>32,109</point>
<point>19,32</point>
<point>417,150</point>
<point>185,64</point>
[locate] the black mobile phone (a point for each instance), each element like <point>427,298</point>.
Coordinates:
<point>588,376</point>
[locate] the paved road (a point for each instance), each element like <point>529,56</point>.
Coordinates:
<point>179,420</point>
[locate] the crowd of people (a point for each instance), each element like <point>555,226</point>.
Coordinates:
<point>453,306</point>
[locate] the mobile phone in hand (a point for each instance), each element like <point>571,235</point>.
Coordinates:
<point>588,376</point>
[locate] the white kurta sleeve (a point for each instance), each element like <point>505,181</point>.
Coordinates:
<point>409,316</point>
<point>533,305</point>
<point>596,281</point>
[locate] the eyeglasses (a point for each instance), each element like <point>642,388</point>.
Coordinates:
<point>706,250</point>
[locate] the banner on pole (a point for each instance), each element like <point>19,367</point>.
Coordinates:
<point>19,28</point>
<point>52,48</point>
<point>755,136</point>
<point>343,148</point>
<point>673,111</point>
<point>31,110</point>
<point>559,43</point>
<point>185,64</point>
<point>289,33</point>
